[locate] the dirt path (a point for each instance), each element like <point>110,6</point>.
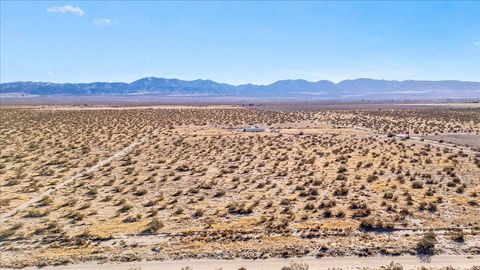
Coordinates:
<point>408,262</point>
<point>6,216</point>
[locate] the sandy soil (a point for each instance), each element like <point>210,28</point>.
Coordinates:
<point>323,183</point>
<point>408,262</point>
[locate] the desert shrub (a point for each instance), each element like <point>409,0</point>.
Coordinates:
<point>85,234</point>
<point>198,213</point>
<point>296,266</point>
<point>361,213</point>
<point>151,203</point>
<point>372,178</point>
<point>52,226</point>
<point>141,192</point>
<point>313,192</point>
<point>93,192</point>
<point>261,185</point>
<point>125,208</point>
<point>39,230</point>
<point>131,219</point>
<point>154,225</point>
<point>4,234</point>
<point>84,206</point>
<point>357,205</point>
<point>327,213</point>
<point>472,202</point>
<point>309,206</point>
<point>432,207</point>
<point>34,213</point>
<point>422,206</point>
<point>458,236</point>
<point>342,191</point>
<point>46,200</point>
<point>239,209</point>
<point>12,182</point>
<point>388,195</point>
<point>451,184</point>
<point>46,172</point>
<point>340,214</point>
<point>426,244</point>
<point>404,212</point>
<point>367,224</point>
<point>269,204</point>
<point>317,182</point>
<point>182,168</point>
<point>327,204</point>
<point>219,194</point>
<point>76,215</point>
<point>179,211</point>
<point>417,184</point>
<point>285,201</point>
<point>430,192</point>
<point>392,266</point>
<point>177,193</point>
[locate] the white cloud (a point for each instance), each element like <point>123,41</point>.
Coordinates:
<point>476,43</point>
<point>66,9</point>
<point>105,22</point>
<point>50,73</point>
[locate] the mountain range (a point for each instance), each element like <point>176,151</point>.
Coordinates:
<point>347,89</point>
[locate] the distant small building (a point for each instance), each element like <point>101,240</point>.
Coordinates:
<point>258,129</point>
<point>252,129</point>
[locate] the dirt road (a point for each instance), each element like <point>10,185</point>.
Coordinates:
<point>408,262</point>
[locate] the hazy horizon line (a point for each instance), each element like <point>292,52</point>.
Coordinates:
<point>239,84</point>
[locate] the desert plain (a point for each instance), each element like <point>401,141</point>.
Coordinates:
<point>192,182</point>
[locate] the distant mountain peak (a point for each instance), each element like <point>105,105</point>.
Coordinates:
<point>356,88</point>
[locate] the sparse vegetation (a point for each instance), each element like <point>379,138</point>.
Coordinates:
<point>200,185</point>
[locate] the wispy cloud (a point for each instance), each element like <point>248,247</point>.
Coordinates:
<point>50,73</point>
<point>476,43</point>
<point>66,9</point>
<point>105,22</point>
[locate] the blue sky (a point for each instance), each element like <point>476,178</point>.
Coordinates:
<point>239,42</point>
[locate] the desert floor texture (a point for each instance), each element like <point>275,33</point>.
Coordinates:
<point>82,184</point>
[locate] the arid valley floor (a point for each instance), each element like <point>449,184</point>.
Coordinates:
<point>121,184</point>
